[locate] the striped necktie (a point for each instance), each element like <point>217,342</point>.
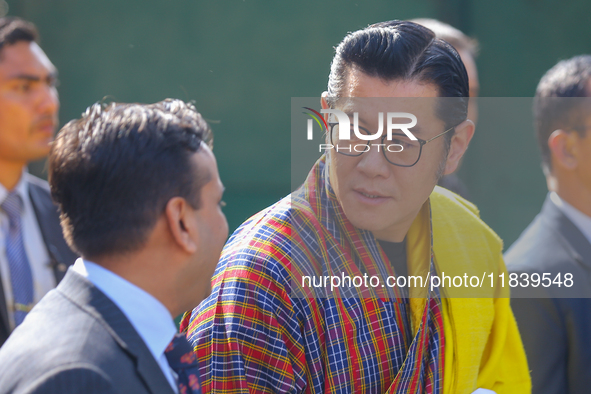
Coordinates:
<point>183,362</point>
<point>21,277</point>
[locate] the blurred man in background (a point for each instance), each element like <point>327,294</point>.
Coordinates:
<point>556,331</point>
<point>33,253</point>
<point>468,50</point>
<point>140,196</point>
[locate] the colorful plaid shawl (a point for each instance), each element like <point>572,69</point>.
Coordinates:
<point>260,331</point>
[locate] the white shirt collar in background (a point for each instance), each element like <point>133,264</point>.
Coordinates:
<point>21,189</point>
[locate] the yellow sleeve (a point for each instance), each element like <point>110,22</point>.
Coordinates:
<point>503,368</point>
<point>483,348</point>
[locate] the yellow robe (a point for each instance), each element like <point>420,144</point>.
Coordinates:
<point>483,348</point>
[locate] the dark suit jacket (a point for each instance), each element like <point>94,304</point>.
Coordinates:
<point>76,340</point>
<point>59,253</point>
<point>556,331</point>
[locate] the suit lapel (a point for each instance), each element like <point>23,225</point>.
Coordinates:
<point>49,223</point>
<point>92,300</point>
<point>60,254</point>
<point>4,324</point>
<point>570,237</point>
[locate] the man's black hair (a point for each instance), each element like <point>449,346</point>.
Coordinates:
<point>450,34</point>
<point>402,50</point>
<point>13,30</point>
<point>553,109</point>
<point>113,171</point>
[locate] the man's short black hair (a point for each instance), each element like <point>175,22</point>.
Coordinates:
<point>113,171</point>
<point>406,51</point>
<point>450,34</point>
<point>13,30</point>
<point>552,109</point>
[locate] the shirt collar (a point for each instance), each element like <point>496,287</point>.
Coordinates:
<point>21,188</point>
<point>579,219</point>
<point>148,316</point>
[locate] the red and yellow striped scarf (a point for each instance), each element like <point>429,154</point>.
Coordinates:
<point>346,250</point>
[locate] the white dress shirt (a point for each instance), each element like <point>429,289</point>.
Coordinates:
<point>43,276</point>
<point>579,219</point>
<point>147,315</point>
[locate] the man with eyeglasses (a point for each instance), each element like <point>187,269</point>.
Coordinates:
<point>368,216</point>
<point>399,149</point>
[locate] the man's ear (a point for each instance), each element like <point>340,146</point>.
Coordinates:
<point>181,222</point>
<point>458,145</point>
<point>563,149</point>
<point>324,103</point>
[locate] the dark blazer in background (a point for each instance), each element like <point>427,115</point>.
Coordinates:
<point>59,253</point>
<point>556,331</point>
<point>76,340</point>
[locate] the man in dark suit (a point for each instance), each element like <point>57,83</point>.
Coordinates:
<point>554,317</point>
<point>140,196</point>
<point>33,254</point>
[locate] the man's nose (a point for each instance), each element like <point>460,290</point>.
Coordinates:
<point>48,100</point>
<point>373,163</point>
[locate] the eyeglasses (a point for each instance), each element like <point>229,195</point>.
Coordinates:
<point>399,151</point>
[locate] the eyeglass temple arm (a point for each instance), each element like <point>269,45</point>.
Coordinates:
<point>439,135</point>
